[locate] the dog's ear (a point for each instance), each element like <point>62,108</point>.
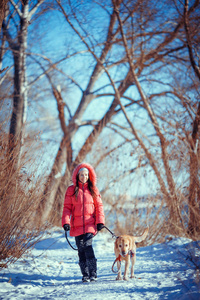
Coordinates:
<point>116,242</point>
<point>130,243</point>
<point>141,238</point>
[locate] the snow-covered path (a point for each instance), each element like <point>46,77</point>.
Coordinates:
<point>51,271</point>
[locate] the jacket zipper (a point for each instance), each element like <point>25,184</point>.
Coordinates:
<point>83,210</point>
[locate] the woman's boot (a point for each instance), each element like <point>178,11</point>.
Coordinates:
<point>84,271</point>
<point>92,267</point>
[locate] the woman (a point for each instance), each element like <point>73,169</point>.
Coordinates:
<point>83,215</point>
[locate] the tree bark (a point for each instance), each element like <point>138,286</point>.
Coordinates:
<point>20,83</point>
<point>3,4</point>
<point>194,187</point>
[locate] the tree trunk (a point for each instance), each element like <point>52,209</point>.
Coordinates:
<point>194,201</point>
<point>16,121</point>
<point>194,188</point>
<point>52,184</point>
<point>20,87</point>
<point>57,207</point>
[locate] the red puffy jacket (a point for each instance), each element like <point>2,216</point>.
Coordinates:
<point>83,213</point>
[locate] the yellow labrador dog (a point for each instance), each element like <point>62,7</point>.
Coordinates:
<point>125,250</point>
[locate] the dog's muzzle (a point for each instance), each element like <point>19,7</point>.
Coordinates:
<point>124,253</point>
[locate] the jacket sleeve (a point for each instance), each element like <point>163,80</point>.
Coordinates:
<point>100,218</point>
<point>67,207</point>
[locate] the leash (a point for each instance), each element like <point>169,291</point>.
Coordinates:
<point>117,259</point>
<point>113,235</point>
<point>69,242</point>
<point>131,253</point>
<point>76,249</point>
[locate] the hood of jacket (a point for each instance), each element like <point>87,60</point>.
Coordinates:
<point>92,174</point>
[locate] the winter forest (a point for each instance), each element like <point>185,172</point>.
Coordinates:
<point>114,83</point>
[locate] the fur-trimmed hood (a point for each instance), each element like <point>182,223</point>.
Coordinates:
<point>92,174</point>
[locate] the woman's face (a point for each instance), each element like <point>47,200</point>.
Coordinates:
<point>83,176</point>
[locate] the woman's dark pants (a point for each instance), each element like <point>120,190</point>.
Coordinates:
<point>87,260</point>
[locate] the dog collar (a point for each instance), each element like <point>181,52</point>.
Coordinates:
<point>131,253</point>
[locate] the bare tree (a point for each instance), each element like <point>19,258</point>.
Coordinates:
<point>170,191</point>
<point>18,45</point>
<point>192,36</point>
<point>134,58</point>
<point>133,39</point>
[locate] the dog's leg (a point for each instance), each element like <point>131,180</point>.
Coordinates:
<point>133,259</point>
<point>119,276</point>
<point>127,265</point>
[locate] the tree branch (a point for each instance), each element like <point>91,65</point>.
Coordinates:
<point>16,8</point>
<point>189,41</point>
<point>33,10</point>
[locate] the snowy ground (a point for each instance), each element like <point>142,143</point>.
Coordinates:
<point>51,271</point>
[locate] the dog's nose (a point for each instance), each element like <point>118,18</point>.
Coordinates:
<point>123,252</point>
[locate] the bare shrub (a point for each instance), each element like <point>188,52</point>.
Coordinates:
<point>20,192</point>
<point>127,215</point>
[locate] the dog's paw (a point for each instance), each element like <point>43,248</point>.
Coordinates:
<point>132,276</point>
<point>119,277</point>
<point>126,278</point>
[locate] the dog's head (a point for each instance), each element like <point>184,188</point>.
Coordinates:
<point>124,244</point>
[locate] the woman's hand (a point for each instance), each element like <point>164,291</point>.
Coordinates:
<point>66,227</point>
<point>100,226</point>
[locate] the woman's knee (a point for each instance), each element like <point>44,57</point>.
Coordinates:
<point>89,252</point>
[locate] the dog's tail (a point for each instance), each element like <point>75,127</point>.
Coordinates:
<point>141,238</point>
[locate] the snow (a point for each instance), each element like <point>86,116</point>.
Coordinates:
<point>51,271</point>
